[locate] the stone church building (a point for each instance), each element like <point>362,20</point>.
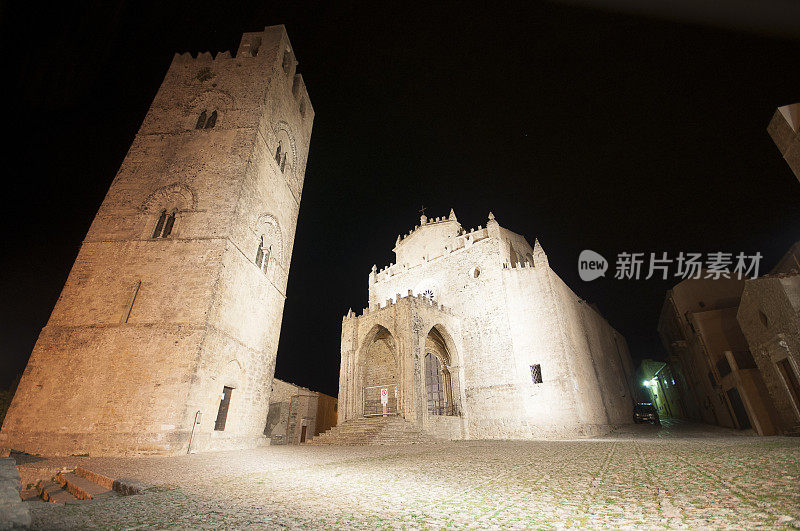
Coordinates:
<point>472,335</point>
<point>165,335</point>
<point>166,332</point>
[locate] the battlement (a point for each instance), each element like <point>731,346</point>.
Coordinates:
<point>434,238</point>
<point>465,240</point>
<point>518,265</point>
<point>202,57</point>
<point>409,298</point>
<point>270,47</point>
<point>427,222</point>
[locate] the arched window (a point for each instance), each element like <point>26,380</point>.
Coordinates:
<point>260,252</point>
<point>160,224</point>
<point>262,255</point>
<point>201,120</point>
<point>212,120</point>
<point>278,153</point>
<point>266,258</point>
<point>283,162</point>
<point>287,61</point>
<point>164,224</point>
<point>168,225</point>
<point>434,385</point>
<point>206,121</point>
<point>438,379</point>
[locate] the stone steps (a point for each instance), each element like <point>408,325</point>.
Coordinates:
<point>372,431</point>
<point>79,486</point>
<point>53,492</point>
<point>83,488</point>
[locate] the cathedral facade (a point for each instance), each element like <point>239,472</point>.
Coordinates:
<point>165,335</point>
<point>471,335</point>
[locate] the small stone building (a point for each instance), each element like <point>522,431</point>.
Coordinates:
<point>769,315</point>
<point>471,334</point>
<point>298,414</point>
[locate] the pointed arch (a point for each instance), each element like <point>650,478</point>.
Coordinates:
<point>378,370</point>
<point>269,237</point>
<point>441,372</point>
<point>284,135</point>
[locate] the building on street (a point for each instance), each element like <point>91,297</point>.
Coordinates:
<point>769,316</point>
<point>698,326</point>
<point>298,414</point>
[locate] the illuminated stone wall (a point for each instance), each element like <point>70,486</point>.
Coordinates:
<point>147,331</point>
<point>498,318</point>
<point>769,315</point>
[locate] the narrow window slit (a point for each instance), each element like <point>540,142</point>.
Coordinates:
<point>201,120</point>
<point>160,224</point>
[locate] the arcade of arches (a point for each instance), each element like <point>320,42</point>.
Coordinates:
<point>381,386</point>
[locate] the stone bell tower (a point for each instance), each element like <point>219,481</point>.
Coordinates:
<point>166,332</point>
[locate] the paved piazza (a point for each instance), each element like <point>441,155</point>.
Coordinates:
<point>680,476</point>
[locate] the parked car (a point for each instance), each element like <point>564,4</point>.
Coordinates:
<point>645,412</point>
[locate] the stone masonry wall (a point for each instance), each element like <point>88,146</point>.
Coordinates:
<point>147,331</point>
<point>501,320</point>
<point>774,337</point>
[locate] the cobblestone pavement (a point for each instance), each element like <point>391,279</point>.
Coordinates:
<point>678,476</point>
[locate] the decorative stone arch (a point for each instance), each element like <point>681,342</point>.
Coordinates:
<point>208,101</point>
<point>283,134</point>
<point>441,373</point>
<point>175,196</point>
<point>378,366</point>
<point>163,208</point>
<point>231,373</point>
<point>269,235</point>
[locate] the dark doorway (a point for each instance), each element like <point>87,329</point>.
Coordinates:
<point>222,414</point>
<point>303,434</point>
<point>738,408</point>
<point>790,378</point>
<point>434,386</point>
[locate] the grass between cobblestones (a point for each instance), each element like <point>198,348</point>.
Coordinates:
<point>641,482</point>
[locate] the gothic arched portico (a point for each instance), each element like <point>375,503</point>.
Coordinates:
<point>441,395</point>
<point>379,373</point>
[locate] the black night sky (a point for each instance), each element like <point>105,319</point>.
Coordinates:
<point>582,127</point>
